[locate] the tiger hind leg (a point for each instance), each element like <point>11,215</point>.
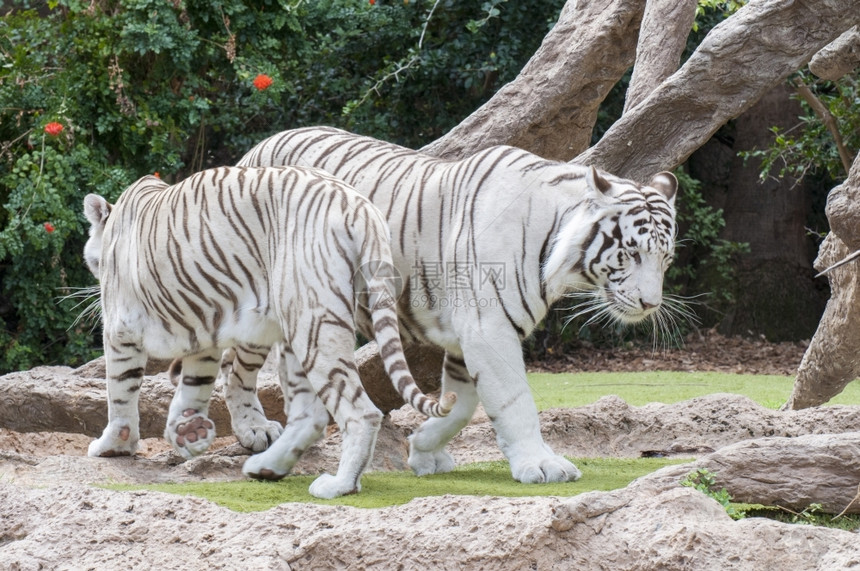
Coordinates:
<point>239,370</point>
<point>307,418</point>
<point>124,362</point>
<point>337,384</point>
<point>427,453</point>
<point>189,429</point>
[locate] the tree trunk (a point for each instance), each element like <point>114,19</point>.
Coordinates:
<point>550,109</point>
<point>738,62</point>
<point>833,357</point>
<point>662,40</point>
<point>775,292</point>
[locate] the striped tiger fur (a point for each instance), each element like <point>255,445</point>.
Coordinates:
<point>486,245</point>
<point>249,257</point>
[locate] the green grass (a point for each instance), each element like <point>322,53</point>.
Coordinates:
<point>382,489</point>
<point>568,390</point>
<point>810,516</point>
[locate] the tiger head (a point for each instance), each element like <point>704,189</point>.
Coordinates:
<point>614,249</point>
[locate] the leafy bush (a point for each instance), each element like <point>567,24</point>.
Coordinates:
<point>810,147</point>
<point>705,481</point>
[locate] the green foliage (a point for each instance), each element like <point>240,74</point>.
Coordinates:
<point>715,8</point>
<point>813,514</point>
<point>383,489</point>
<point>706,482</point>
<point>145,86</point>
<point>704,262</point>
<point>809,147</point>
<point>451,57</point>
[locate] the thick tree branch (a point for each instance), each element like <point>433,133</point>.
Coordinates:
<point>740,60</point>
<point>551,107</point>
<point>662,39</point>
<point>838,58</point>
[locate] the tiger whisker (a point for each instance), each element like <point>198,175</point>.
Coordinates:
<point>90,298</point>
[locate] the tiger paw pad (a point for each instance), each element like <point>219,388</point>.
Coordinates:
<point>192,434</point>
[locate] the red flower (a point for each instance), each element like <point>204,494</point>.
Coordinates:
<point>156,174</point>
<point>372,2</point>
<point>49,227</point>
<point>54,128</point>
<point>262,82</point>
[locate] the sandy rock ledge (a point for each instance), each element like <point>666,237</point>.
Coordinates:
<point>648,525</point>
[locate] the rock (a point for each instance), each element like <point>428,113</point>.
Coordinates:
<point>51,515</point>
<point>652,524</point>
<point>791,472</point>
<point>611,427</point>
<point>58,399</point>
<point>61,399</point>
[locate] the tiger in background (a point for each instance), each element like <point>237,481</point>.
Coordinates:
<point>249,257</point>
<point>486,245</point>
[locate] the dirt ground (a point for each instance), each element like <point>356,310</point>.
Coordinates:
<point>52,518</point>
<point>702,351</point>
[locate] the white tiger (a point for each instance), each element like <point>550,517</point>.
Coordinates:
<point>486,245</point>
<point>251,257</point>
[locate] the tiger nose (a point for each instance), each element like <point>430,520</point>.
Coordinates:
<point>646,305</point>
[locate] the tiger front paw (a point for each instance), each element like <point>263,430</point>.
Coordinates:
<point>429,462</point>
<point>327,487</point>
<point>118,439</point>
<point>190,434</point>
<point>259,468</point>
<point>550,468</point>
<point>258,436</point>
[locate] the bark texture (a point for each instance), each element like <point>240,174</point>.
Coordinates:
<point>833,357</point>
<point>839,57</point>
<point>550,109</point>
<point>740,60</point>
<point>662,40</point>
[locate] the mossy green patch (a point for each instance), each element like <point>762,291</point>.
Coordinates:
<point>382,489</point>
<point>568,390</point>
<point>564,390</point>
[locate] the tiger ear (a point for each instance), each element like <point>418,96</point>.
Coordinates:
<point>96,209</point>
<point>596,181</point>
<point>666,183</point>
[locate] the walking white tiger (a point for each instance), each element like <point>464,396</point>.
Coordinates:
<point>486,245</point>
<point>252,257</point>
